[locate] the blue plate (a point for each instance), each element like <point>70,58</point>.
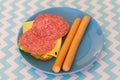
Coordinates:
<point>88,51</point>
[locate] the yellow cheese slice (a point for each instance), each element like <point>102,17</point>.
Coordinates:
<point>27,26</point>
<point>54,52</point>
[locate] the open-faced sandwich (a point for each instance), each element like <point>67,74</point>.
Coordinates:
<point>42,37</point>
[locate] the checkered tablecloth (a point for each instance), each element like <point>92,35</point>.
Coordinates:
<point>14,12</point>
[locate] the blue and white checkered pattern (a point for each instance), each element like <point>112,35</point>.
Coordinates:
<point>14,12</point>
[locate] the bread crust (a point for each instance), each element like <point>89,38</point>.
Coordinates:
<point>44,57</point>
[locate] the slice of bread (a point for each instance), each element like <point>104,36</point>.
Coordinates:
<point>43,57</point>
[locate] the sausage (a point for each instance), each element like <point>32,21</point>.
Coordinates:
<point>59,61</point>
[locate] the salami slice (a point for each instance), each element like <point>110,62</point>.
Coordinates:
<point>35,44</point>
<point>50,25</point>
